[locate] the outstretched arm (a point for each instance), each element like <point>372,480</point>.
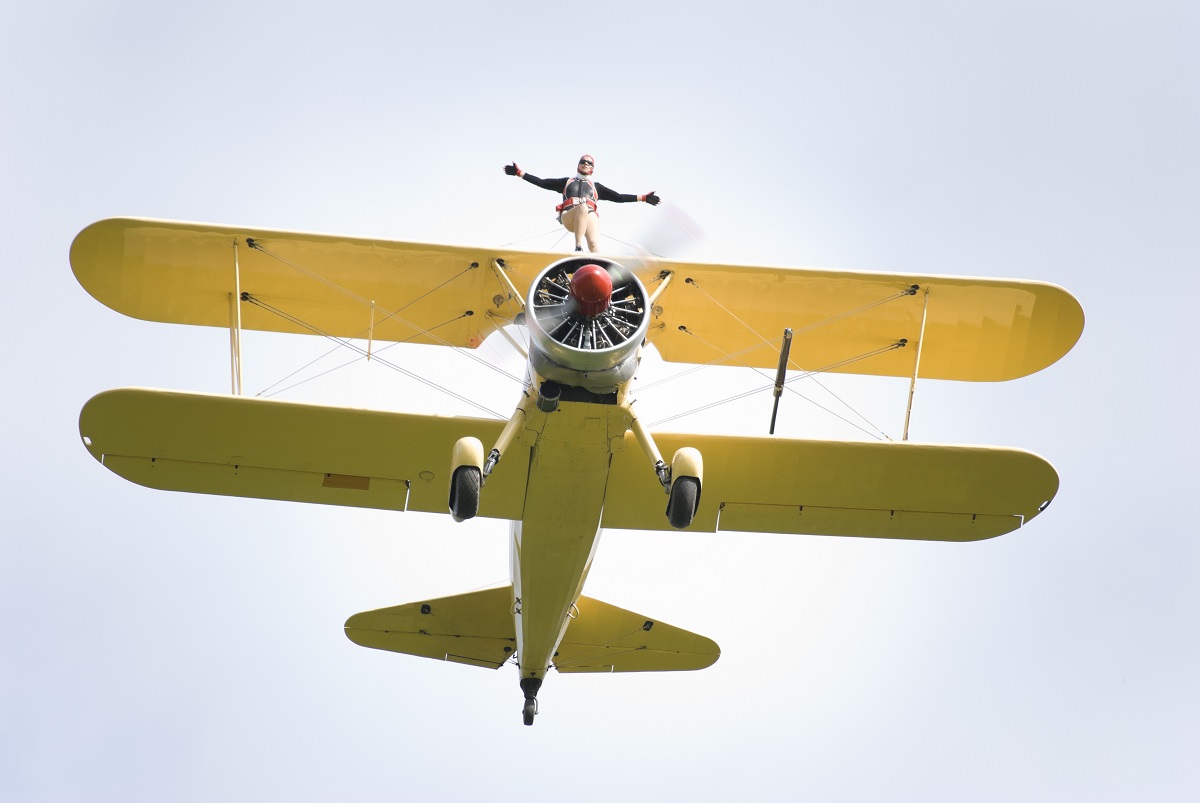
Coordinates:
<point>623,197</point>
<point>552,184</point>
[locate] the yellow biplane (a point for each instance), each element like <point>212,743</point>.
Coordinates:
<point>574,457</point>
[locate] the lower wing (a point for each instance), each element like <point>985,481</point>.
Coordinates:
<point>237,446</point>
<point>882,490</point>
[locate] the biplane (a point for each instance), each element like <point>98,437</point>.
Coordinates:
<point>574,457</point>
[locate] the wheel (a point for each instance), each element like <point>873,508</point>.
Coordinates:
<point>529,712</point>
<point>683,501</point>
<point>464,492</point>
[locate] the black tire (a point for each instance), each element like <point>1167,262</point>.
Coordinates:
<point>529,711</point>
<point>464,492</point>
<point>683,501</point>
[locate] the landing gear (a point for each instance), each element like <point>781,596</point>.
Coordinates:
<point>464,492</point>
<point>683,501</point>
<point>681,480</point>
<point>466,478</point>
<point>530,687</point>
<point>683,497</point>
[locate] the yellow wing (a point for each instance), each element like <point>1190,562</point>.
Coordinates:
<point>976,330</point>
<point>882,490</point>
<point>299,283</point>
<point>264,449</point>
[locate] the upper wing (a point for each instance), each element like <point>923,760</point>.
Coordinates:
<point>308,283</point>
<point>265,449</point>
<point>976,329</point>
<point>884,490</point>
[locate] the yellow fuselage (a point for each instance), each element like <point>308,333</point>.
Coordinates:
<point>555,540</point>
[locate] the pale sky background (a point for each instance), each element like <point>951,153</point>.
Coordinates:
<point>178,647</point>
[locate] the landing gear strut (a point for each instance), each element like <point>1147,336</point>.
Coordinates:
<point>682,480</point>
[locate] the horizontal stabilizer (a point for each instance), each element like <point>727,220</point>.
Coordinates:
<point>474,629</point>
<point>605,638</point>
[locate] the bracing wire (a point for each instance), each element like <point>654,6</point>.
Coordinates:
<point>830,367</point>
<point>265,392</point>
<point>534,237</point>
<point>388,315</point>
<point>726,358</point>
<point>809,375</point>
<point>387,363</point>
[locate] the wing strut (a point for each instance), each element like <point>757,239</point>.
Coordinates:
<point>499,267</point>
<point>912,386</point>
<point>784,350</point>
<point>235,326</point>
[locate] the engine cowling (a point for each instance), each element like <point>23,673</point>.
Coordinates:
<point>580,338</point>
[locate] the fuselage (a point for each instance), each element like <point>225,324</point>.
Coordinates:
<point>587,320</point>
<point>553,544</point>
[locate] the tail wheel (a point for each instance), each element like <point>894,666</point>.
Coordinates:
<point>529,711</point>
<point>683,501</point>
<point>464,492</point>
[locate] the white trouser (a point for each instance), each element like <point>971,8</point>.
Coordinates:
<point>584,223</point>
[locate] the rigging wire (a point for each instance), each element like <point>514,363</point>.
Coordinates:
<point>265,391</point>
<point>350,345</point>
<point>554,230</point>
<point>388,315</point>
<point>909,291</point>
<point>830,367</point>
<point>812,375</point>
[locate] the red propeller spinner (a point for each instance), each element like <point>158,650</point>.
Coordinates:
<point>591,287</point>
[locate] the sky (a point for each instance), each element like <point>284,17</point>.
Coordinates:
<point>185,647</point>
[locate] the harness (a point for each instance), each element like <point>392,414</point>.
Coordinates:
<point>577,191</point>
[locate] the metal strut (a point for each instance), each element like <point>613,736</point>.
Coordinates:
<point>498,267</point>
<point>646,441</point>
<point>235,326</point>
<point>781,374</point>
<point>507,435</point>
<point>912,385</point>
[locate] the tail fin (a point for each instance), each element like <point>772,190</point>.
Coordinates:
<point>605,638</point>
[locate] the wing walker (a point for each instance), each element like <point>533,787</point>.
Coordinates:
<point>573,457</point>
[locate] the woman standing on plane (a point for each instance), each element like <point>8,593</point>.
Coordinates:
<point>577,212</point>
